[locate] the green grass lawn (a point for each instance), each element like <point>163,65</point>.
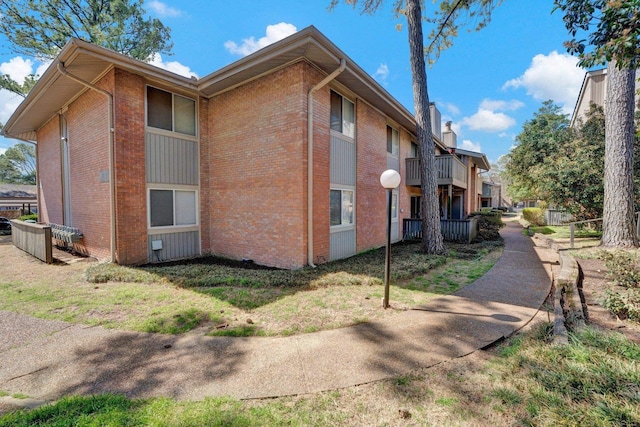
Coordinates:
<point>223,297</point>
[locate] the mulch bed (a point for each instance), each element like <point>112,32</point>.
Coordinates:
<point>594,285</point>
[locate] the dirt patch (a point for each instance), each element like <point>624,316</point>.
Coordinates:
<point>594,285</point>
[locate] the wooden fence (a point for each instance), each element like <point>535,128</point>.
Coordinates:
<point>557,217</point>
<point>34,239</point>
<point>453,230</point>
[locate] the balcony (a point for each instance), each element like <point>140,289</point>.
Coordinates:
<point>451,171</point>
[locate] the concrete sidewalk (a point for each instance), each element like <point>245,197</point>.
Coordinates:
<point>46,360</point>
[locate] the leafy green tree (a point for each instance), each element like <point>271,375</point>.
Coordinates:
<point>18,165</point>
<point>613,35</point>
<point>40,28</point>
<point>446,20</point>
<point>539,140</point>
<point>572,177</point>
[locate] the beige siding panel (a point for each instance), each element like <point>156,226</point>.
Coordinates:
<point>343,161</point>
<point>174,246</point>
<point>171,160</point>
<point>342,244</point>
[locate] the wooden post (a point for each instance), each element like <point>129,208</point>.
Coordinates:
<point>572,230</point>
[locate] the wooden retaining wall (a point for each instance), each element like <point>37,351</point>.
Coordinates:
<point>34,239</point>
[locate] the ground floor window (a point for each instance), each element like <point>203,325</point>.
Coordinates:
<point>341,207</point>
<point>394,206</point>
<point>416,207</point>
<point>172,207</point>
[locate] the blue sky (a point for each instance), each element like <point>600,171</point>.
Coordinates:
<point>488,83</point>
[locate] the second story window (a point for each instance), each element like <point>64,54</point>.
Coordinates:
<point>343,116</point>
<point>393,141</point>
<point>171,112</point>
<point>414,150</point>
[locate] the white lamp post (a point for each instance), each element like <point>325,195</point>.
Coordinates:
<point>389,179</point>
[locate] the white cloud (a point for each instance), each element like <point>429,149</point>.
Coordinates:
<point>451,108</point>
<point>273,34</point>
<point>488,121</point>
<point>382,73</point>
<point>173,66</point>
<point>2,150</point>
<point>490,118</point>
<point>470,145</point>
<point>8,104</point>
<point>493,105</point>
<point>17,68</point>
<point>163,10</point>
<point>554,76</point>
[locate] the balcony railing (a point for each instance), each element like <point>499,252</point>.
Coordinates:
<point>453,230</point>
<point>450,171</point>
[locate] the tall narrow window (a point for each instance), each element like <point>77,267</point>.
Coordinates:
<point>342,115</point>
<point>414,150</point>
<point>393,141</point>
<point>341,207</point>
<point>170,112</point>
<point>394,206</point>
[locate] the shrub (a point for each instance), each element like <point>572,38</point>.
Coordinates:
<point>33,217</point>
<point>489,224</point>
<point>624,303</point>
<point>622,268</point>
<point>534,215</point>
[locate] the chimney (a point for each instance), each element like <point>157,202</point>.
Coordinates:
<point>449,138</point>
<point>436,121</point>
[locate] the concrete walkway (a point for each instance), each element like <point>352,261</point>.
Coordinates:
<point>46,359</point>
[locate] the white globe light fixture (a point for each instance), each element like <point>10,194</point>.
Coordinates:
<point>389,179</point>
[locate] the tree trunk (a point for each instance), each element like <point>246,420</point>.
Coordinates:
<point>431,234</point>
<point>618,229</point>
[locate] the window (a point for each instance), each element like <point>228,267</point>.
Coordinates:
<point>170,111</point>
<point>394,206</point>
<point>393,141</point>
<point>416,206</point>
<point>341,207</point>
<point>342,115</point>
<point>414,150</point>
<point>169,208</point>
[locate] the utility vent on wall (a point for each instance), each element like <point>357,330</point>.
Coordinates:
<point>156,245</point>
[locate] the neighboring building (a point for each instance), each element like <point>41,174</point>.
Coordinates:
<point>17,200</point>
<point>594,89</point>
<point>274,158</point>
<point>459,184</point>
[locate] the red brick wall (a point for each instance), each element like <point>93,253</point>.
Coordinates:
<point>256,183</point>
<point>321,165</point>
<point>206,145</point>
<point>87,122</point>
<point>371,198</point>
<point>405,192</point>
<point>49,173</point>
<point>130,178</point>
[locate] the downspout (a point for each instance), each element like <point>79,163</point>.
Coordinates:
<point>340,69</point>
<point>112,185</point>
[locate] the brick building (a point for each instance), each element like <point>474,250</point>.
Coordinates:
<point>274,158</point>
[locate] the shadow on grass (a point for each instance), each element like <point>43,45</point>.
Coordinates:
<point>248,286</point>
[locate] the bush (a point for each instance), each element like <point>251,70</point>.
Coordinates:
<point>624,303</point>
<point>489,224</point>
<point>33,217</point>
<point>622,268</point>
<point>534,215</point>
